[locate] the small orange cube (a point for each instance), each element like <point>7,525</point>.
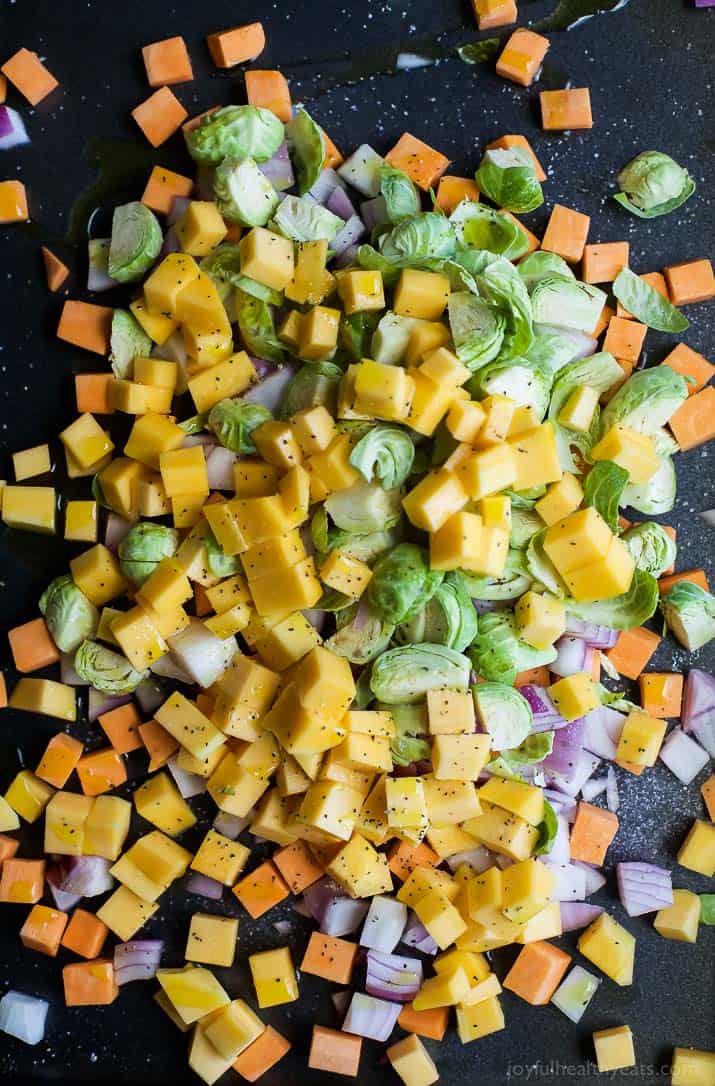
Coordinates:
<point>270,90</point>
<point>91,391</point>
<point>632,651</point>
<point>661,693</point>
<point>43,930</point>
<point>591,834</point>
<point>563,110</point>
<point>522,57</point>
<point>404,857</point>
<point>90,984</point>
<point>432,1023</point>
<point>13,202</point>
<point>86,325</point>
<point>418,160</point>
<point>167,62</point>
<point>566,233</point>
<point>235,46</point>
<point>333,157</point>
<point>694,576</point>
<point>624,338</point>
<point>261,890</point>
<point>101,771</point>
<point>159,744</point>
<point>690,282</point>
<point>330,958</point>
<point>694,421</point>
<point>120,726</point>
<point>60,759</point>
<point>26,71</point>
<point>491,14</point>
<point>32,647</point>
<point>537,972</point>
<point>261,1055</point>
<point>333,1050</point>
<point>603,262</point>
<point>8,848</point>
<point>85,934</point>
<point>689,364</point>
<point>452,190</point>
<point>159,116</point>
<point>56,272</point>
<point>161,188</point>
<point>22,882</point>
<point>297,866</point>
<point>708,793</point>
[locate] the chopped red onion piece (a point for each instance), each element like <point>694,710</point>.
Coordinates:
<point>204,886</point>
<point>698,715</point>
<point>374,212</point>
<point>560,851</point>
<point>12,129</point>
<point>347,257</point>
<point>390,976</point>
<point>353,232</point>
<point>612,799</point>
<point>316,618</point>
<point>683,756</point>
<point>384,923</point>
<point>562,804</point>
<point>23,1016</point>
<point>571,783</point>
<point>417,936</point>
<point>230,825</point>
<point>574,656</point>
<point>336,913</point>
<point>100,703</point>
<point>598,637</point>
<point>150,694</point>
<point>643,888</point>
<point>595,879</point>
<point>87,876</point>
<point>170,244</point>
<point>220,463</point>
<point>269,392</point>
<point>279,169</point>
<point>325,185</point>
<point>570,882</point>
<point>63,901</point>
<point>594,788</point>
<point>578,914</point>
<point>602,731</point>
<point>114,531</point>
<point>567,749</point>
<point>189,784</point>
<point>167,667</point>
<point>340,204</point>
<point>546,716</point>
<point>137,960</point>
<point>479,859</point>
<point>205,182</point>
<point>371,1017</point>
<point>200,653</point>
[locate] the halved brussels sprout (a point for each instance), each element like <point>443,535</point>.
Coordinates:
<point>513,583</point>
<point>307,145</point>
<point>538,265</point>
<point>653,184</point>
<point>504,713</point>
<point>410,743</point>
<point>646,401</point>
<point>302,219</point>
<point>236,132</point>
<point>361,634</point>
<point>385,453</point>
<point>449,618</point>
<point>402,583</point>
<point>127,341</point>
<point>106,670</point>
<point>257,328</point>
<point>566,303</point>
<point>404,675</point>
<point>508,178</point>
<point>526,383</point>
<point>69,615</point>
<point>220,564</point>
<point>624,612</point>
<point>477,329</point>
<point>652,548</point>
<point>242,193</point>
<point>364,507</point>
<point>136,241</point>
<point>233,421</point>
<point>402,199</point>
<point>144,546</point>
<point>479,227</point>
<point>689,611</point>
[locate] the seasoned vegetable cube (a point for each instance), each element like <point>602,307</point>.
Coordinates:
<point>200,228</point>
<point>680,920</point>
<point>524,800</point>
<point>421,294</point>
<point>318,333</point>
<point>212,939</point>
<point>540,619</point>
<point>459,757</point>
<point>697,851</point>
<point>273,977</point>
<point>361,291</point>
<point>434,500</point>
<point>489,471</point>
<point>450,712</point>
<point>641,738</point>
<point>614,1048</point>
<point>610,947</point>
<point>383,391</point>
<point>560,499</point>
<point>193,991</point>
<point>634,452</point>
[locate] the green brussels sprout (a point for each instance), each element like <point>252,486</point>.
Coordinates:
<point>144,546</point>
<point>195,424</point>
<point>633,608</point>
<point>479,227</point>
<point>425,236</point>
<point>362,547</point>
<point>136,242</point>
<point>531,750</point>
<point>550,350</point>
<point>449,618</point>
<point>499,284</point>
<point>508,178</point>
<point>504,713</point>
<point>257,328</point>
<point>127,341</point>
<point>233,421</point>
<point>603,489</point>
<point>106,670</point>
<point>566,303</point>
<point>402,200</point>
<point>402,583</point>
<point>385,453</point>
<point>302,219</point>
<point>513,583</point>
<point>361,634</point>
<point>646,401</point>
<point>536,266</point>
<point>599,371</point>
<point>364,507</point>
<point>647,304</point>
<point>315,384</point>
<point>356,332</point>
<point>689,612</point>
<point>540,566</point>
<point>526,383</point>
<point>477,329</point>
<point>69,615</point>
<point>498,654</point>
<point>242,193</point>
<point>652,548</point>
<point>410,742</point>
<point>307,145</point>
<point>525,523</point>
<point>404,675</point>
<point>653,184</point>
<point>220,564</point>
<point>236,132</point>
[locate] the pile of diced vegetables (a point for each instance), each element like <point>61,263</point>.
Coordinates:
<point>362,567</point>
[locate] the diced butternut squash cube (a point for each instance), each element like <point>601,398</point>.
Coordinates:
<point>45,696</point>
<point>489,471</point>
<point>31,508</point>
<point>536,457</point>
<point>610,947</point>
<point>269,90</point>
<point>566,233</point>
<point>522,57</point>
<point>697,851</point>
<point>633,451</point>
<point>29,75</point>
<point>614,1048</point>
<point>479,1020</point>
<point>691,282</point>
<point>692,1067</point>
<point>574,696</point>
<point>418,160</point>
<point>561,499</point>
<point>641,739</point>
<point>566,109</point>
<point>267,258</point>
<point>540,618</point>
<point>13,202</point>
<point>412,1062</point>
<point>234,46</point>
<point>159,116</point>
<point>524,800</point>
<point>680,920</point>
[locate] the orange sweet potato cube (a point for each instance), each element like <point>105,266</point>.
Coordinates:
<point>8,848</point>
<point>3,692</point>
<point>159,744</point>
<point>86,325</point>
<point>167,62</point>
<point>91,391</point>
<point>241,43</point>
<point>603,261</point>
<point>694,367</point>
<point>653,279</point>
<point>270,90</point>
<point>85,934</point>
<point>591,834</point>
<point>298,866</point>
<point>562,110</point>
<point>624,338</point>
<point>56,272</point>
<point>694,421</point>
<point>566,233</point>
<point>159,116</point>
<point>330,958</point>
<point>60,759</point>
<point>661,693</point>
<point>452,190</point>
<point>333,157</point>
<point>506,142</point>
<point>161,188</point>
<point>333,1050</point>
<point>13,202</point>
<point>418,160</point>
<point>43,929</point>
<point>90,984</point>
<point>29,75</point>
<point>101,771</point>
<point>522,57</point>
<point>261,890</point>
<point>404,857</point>
<point>120,726</point>
<point>632,651</point>
<point>537,972</point>
<point>3,88</point>
<point>32,646</point>
<point>22,882</point>
<point>694,576</point>
<point>261,1055</point>
<point>491,14</point>
<point>432,1023</point>
<point>603,321</point>
<point>693,281</point>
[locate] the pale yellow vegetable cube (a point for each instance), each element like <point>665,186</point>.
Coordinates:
<point>457,544</point>
<point>450,712</point>
<point>212,939</point>
<point>233,1028</point>
<point>459,757</point>
<point>412,1062</point>
<point>193,991</point>
<point>314,429</point>
<point>166,282</point>
<point>421,294</point>
<point>28,796</point>
<point>680,920</point>
<point>81,521</point>
<point>540,618</point>
<point>383,391</point>
<point>96,572</point>
<point>267,258</point>
<point>560,499</point>
<point>32,508</point>
<point>423,338</point>
<point>536,457</point>
<point>575,695</point>
<point>361,291</point>
<point>318,333</point>
<point>86,440</point>
<point>697,851</point>
<point>692,1067</point>
<point>498,414</point>
<point>435,499</point>
<point>489,471</point>
<point>440,365</point>
<point>159,801</point>
<point>183,471</point>
<point>479,1020</point>
<point>124,913</point>
<point>139,638</point>
<point>611,947</point>
<point>641,738</point>
<point>631,450</point>
<point>522,799</point>
<point>44,696</point>
<point>495,512</point>
<point>465,420</point>
<point>311,280</point>
<point>578,411</point>
<point>31,462</point>
<point>614,1048</point>
<point>200,228</point>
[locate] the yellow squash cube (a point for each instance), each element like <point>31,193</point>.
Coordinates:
<point>204,1060</point>
<point>604,578</point>
<point>152,435</point>
<point>29,463</point>
<point>575,695</point>
<point>578,411</point>
<point>156,325</point>
<point>522,799</point>
<point>680,920</point>
<point>267,258</point>
<point>345,574</point>
<point>311,280</point>
<point>442,366</point>
<point>159,801</point>
<point>540,619</point>
<point>578,540</point>
<point>430,403</point>
<point>421,294</point>
<point>360,869</point>
<point>206,347</point>
<point>332,468</point>
<point>482,894</point>
<point>166,588</point>
<point>119,482</point>
<point>332,808</point>
<point>151,864</point>
<point>65,818</point>
<point>697,851</point>
<point>412,1062</point>
<point>465,420</point>
<point>158,372</point>
<point>254,479</point>
<point>138,637</point>
<point>200,228</point>
<point>124,913</point>
<point>45,696</point>
<point>458,543</point>
<point>276,443</point>
<point>692,1067</point>
<point>614,1048</point>
<point>450,712</point>
<point>489,471</point>
<point>107,826</point>
<point>611,947</point>
<point>28,795</point>
<point>445,924</point>
<point>361,291</point>
<point>194,992</point>
<point>232,1028</point>
<point>546,924</point>
<point>96,572</point>
<point>524,418</point>
<point>224,380</point>
<point>212,940</point>
<point>314,429</point>
<point>274,977</point>
<point>634,452</point>
<point>294,588</point>
<point>189,726</point>
<point>405,805</point>
<point>527,887</point>
<point>183,471</point>
<point>434,500</point>
<point>479,1020</point>
<point>32,508</point>
<point>199,305</point>
<point>135,399</point>
<point>641,738</point>
<point>318,334</point>
<point>81,521</point>
<point>234,789</point>
<point>495,512</point>
<point>503,832</point>
<point>560,499</point>
<point>423,338</point>
<point>86,440</point>
<point>459,757</point>
<point>220,858</point>
<point>382,391</point>
<point>450,802</point>
<point>498,414</point>
<point>167,281</point>
<point>536,457</point>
